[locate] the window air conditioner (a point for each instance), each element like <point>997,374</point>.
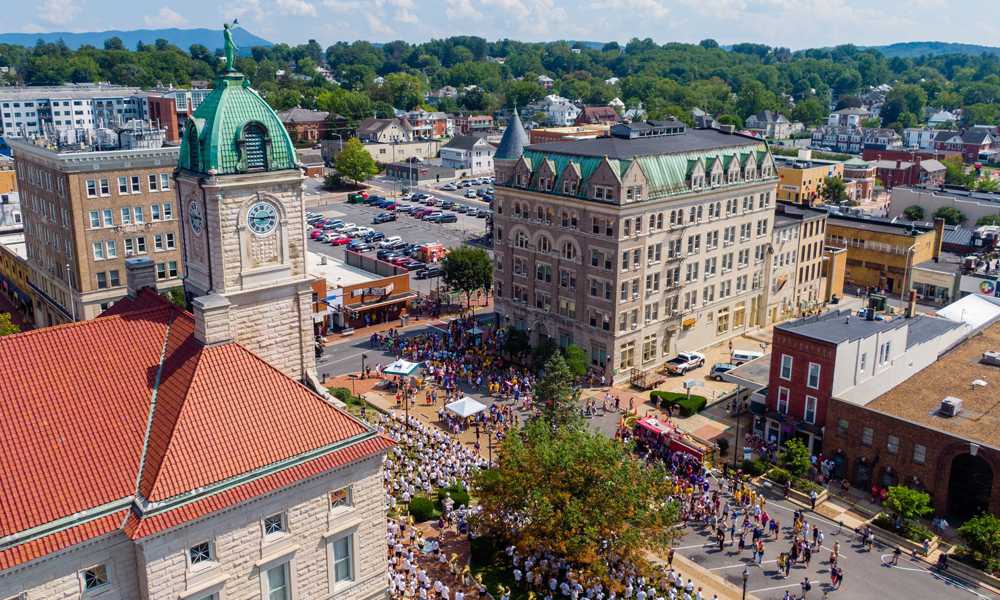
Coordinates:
<point>635,325</point>
<point>546,309</point>
<point>635,296</point>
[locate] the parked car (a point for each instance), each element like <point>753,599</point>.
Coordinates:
<point>364,247</point>
<point>406,206</point>
<point>423,212</point>
<point>428,272</point>
<point>462,208</point>
<point>433,215</point>
<point>488,198</point>
<point>476,182</point>
<point>314,234</point>
<point>718,369</point>
<point>354,244</point>
<point>361,232</point>
<point>418,197</point>
<point>448,187</point>
<point>482,214</point>
<point>341,240</point>
<point>685,362</point>
<point>480,193</point>
<point>446,218</point>
<point>466,184</point>
<point>375,236</point>
<point>430,202</point>
<point>397,245</point>
<point>384,217</point>
<point>390,240</point>
<point>470,193</point>
<point>446,204</point>
<point>489,190</point>
<point>741,357</point>
<point>385,254</point>
<point>473,212</point>
<point>413,265</point>
<point>343,227</point>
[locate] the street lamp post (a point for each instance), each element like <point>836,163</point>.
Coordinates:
<point>746,575</point>
<point>906,273</point>
<point>736,442</point>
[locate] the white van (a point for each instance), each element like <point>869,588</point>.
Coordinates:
<point>741,357</point>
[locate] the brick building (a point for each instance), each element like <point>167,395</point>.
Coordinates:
<point>969,143</point>
<point>470,124</point>
<point>874,154</point>
<point>597,115</point>
<point>633,246</point>
<point>893,173</point>
<point>862,174</point>
<point>904,437</point>
<point>802,178</point>
<point>836,356</point>
<point>308,125</point>
<point>561,134</point>
<point>292,510</point>
<point>85,212</point>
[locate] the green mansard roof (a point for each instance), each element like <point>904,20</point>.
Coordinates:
<point>236,132</point>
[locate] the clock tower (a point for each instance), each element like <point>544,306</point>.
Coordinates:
<point>239,191</point>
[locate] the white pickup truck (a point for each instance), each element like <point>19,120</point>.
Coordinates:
<point>685,362</point>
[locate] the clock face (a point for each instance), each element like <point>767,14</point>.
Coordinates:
<point>195,218</point>
<point>262,218</point>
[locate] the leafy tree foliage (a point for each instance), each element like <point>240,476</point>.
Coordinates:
<point>908,504</point>
<point>982,535</point>
<point>951,216</point>
<point>795,458</point>
<point>988,220</point>
<point>555,395</point>
<point>955,172</point>
<point>355,163</point>
<point>914,213</point>
<point>6,326</point>
<point>834,190</point>
<point>577,494</point>
<point>467,269</point>
<point>576,360</point>
<point>515,342</point>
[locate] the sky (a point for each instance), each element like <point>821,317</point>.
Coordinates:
<point>795,24</point>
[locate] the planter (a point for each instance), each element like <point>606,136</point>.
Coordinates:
<point>969,572</point>
<point>891,539</point>
<point>797,496</point>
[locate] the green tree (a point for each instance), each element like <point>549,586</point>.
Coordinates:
<point>114,43</point>
<point>982,535</point>
<point>951,216</point>
<point>515,342</point>
<point>810,112</point>
<point>708,44</point>
<point>754,98</point>
<point>7,327</point>
<point>555,395</point>
<point>576,360</point>
<point>542,353</point>
<point>733,120</point>
<point>540,117</point>
<point>795,458</point>
<point>954,172</point>
<point>175,295</point>
<point>355,163</point>
<point>908,504</point>
<point>834,190</point>
<point>987,184</point>
<point>577,494</point>
<point>914,213</point>
<point>871,123</point>
<point>988,220</point>
<point>467,269</point>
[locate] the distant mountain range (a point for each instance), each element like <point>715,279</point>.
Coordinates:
<point>914,49</point>
<point>182,38</point>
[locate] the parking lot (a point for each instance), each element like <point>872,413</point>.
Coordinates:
<point>412,230</point>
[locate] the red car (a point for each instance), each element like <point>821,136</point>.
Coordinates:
<point>315,233</point>
<point>423,213</point>
<point>431,202</point>
<point>341,240</point>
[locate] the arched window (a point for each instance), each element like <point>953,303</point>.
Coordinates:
<point>568,250</point>
<point>673,218</point>
<point>699,214</point>
<point>256,151</point>
<point>194,150</point>
<point>564,219</point>
<point>729,207</point>
<point>693,213</point>
<point>540,213</point>
<point>573,220</point>
<point>521,240</point>
<point>659,221</point>
<point>517,210</point>
<point>548,215</point>
<point>543,244</point>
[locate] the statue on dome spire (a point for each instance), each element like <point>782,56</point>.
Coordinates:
<point>230,45</point>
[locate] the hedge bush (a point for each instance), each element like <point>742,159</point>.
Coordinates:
<point>422,509</point>
<point>458,494</point>
<point>483,550</point>
<point>723,446</point>
<point>689,406</point>
<point>753,468</point>
<point>341,393</point>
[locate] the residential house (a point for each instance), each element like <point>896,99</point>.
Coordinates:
<point>920,137</point>
<point>545,81</point>
<point>385,131</point>
<point>848,117</point>
<point>768,124</point>
<point>308,125</point>
<point>429,124</point>
<point>469,124</point>
<point>433,98</point>
<point>468,153</point>
<point>854,140</point>
<point>970,142</point>
<point>943,117</point>
<point>919,172</point>
<point>597,115</point>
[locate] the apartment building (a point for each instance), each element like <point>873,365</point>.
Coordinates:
<point>802,177</point>
<point>796,281</point>
<point>631,247</point>
<point>85,213</point>
<point>33,110</point>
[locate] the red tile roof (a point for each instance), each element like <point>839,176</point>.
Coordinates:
<point>78,398</point>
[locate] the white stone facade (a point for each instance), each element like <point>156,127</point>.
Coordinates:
<point>158,567</point>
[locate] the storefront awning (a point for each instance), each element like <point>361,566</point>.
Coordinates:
<point>758,408</point>
<point>390,300</point>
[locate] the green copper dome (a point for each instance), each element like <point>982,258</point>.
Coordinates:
<point>235,131</point>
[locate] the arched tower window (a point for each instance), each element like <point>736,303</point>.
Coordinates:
<point>194,151</point>
<point>256,151</point>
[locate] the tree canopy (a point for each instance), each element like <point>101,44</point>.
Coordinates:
<point>573,491</point>
<point>555,396</point>
<point>467,269</point>
<point>7,327</point>
<point>355,163</point>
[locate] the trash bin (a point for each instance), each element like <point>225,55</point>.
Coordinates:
<point>835,300</point>
<point>405,320</point>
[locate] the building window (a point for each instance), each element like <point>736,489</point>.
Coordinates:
<point>152,182</point>
<point>810,413</point>
<point>140,244</point>
<point>842,427</point>
<point>813,380</point>
<point>892,444</point>
<point>95,577</point>
<point>866,436</point>
<point>864,359</point>
<point>105,186</point>
<point>112,249</point>
<point>277,583</point>
<point>168,211</point>
<point>164,181</point>
<point>136,185</point>
<point>786,367</point>
<point>122,185</point>
<point>126,215</point>
<point>95,219</point>
<point>91,188</point>
<point>627,359</point>
<point>109,219</point>
<point>783,400</point>
<point>340,498</point>
<point>161,271</point>
<point>919,453</point>
<point>200,553</point>
<point>98,251</point>
<point>102,281</point>
<point>343,568</point>
<point>274,524</point>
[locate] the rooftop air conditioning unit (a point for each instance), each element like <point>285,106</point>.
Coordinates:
<point>991,357</point>
<point>951,406</point>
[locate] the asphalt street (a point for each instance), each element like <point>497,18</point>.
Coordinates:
<point>866,574</point>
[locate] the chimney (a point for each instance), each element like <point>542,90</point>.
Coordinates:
<point>211,320</point>
<point>899,164</point>
<point>727,128</point>
<point>911,305</point>
<point>139,273</point>
<point>938,237</point>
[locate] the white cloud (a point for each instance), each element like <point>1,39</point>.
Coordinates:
<point>344,6</point>
<point>59,12</point>
<point>299,8</point>
<point>32,28</point>
<point>407,17</point>
<point>165,18</point>
<point>647,8</point>
<point>240,9</point>
<point>377,27</point>
<point>462,10</point>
